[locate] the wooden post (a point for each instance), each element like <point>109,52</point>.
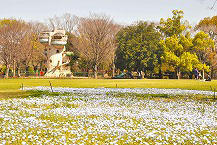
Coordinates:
<point>51,87</point>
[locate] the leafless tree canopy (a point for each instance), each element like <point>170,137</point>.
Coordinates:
<point>211,5</point>
<point>11,38</point>
<point>96,36</point>
<point>67,22</point>
<point>18,43</point>
<point>38,27</point>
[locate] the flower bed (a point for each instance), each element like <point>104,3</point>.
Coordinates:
<point>96,116</point>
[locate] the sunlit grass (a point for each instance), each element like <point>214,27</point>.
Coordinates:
<point>10,87</point>
<point>12,84</point>
<point>42,117</point>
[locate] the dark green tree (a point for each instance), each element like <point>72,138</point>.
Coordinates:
<point>138,47</point>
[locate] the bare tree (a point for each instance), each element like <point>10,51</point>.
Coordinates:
<point>38,27</point>
<point>67,22</point>
<point>211,6</point>
<point>18,44</point>
<point>96,38</point>
<point>33,50</point>
<point>5,53</point>
<point>12,32</point>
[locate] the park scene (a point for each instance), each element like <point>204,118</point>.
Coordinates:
<point>89,80</point>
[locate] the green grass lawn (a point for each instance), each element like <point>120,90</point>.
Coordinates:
<point>105,119</point>
<point>10,87</point>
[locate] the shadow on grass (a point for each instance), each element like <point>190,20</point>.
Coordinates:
<point>167,97</point>
<point>37,93</point>
<point>25,94</point>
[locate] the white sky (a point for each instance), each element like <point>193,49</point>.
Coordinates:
<point>122,11</point>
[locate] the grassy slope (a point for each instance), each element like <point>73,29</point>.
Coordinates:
<point>10,87</point>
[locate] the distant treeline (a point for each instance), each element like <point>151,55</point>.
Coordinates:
<point>169,48</point>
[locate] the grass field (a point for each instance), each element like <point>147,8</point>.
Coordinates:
<point>105,118</point>
<point>10,87</point>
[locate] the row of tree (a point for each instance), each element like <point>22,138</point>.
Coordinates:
<point>19,45</point>
<point>168,47</point>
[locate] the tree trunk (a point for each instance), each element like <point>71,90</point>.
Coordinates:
<point>160,74</point>
<point>113,69</point>
<point>212,72</point>
<point>118,73</point>
<point>103,71</point>
<point>14,69</point>
<point>178,74</point>
<point>18,72</point>
<point>95,72</point>
<point>151,74</point>
<point>88,73</point>
<point>7,71</point>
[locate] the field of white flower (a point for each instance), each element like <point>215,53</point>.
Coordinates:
<point>104,117</point>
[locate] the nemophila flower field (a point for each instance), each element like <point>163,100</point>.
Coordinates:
<point>108,116</point>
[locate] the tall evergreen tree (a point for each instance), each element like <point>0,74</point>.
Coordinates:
<point>137,48</point>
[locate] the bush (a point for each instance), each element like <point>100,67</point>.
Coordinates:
<point>165,77</point>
